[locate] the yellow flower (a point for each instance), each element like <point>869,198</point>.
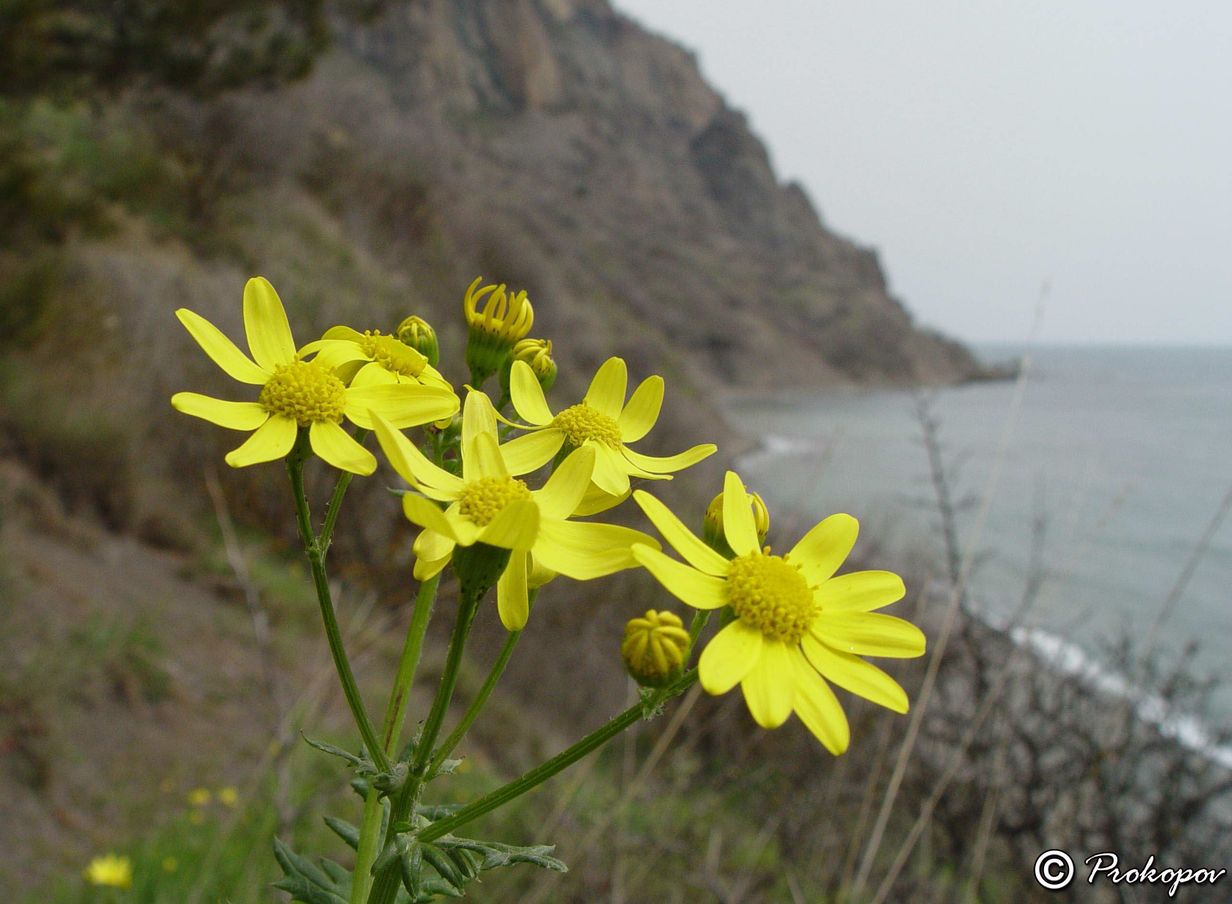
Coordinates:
<point>372,358</point>
<point>795,622</point>
<point>228,796</point>
<point>489,505</point>
<point>297,393</point>
<point>538,354</point>
<point>419,335</point>
<point>110,870</point>
<point>200,797</point>
<point>601,421</point>
<point>654,648</point>
<point>493,328</point>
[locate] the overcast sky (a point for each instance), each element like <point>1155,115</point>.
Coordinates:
<point>984,147</point>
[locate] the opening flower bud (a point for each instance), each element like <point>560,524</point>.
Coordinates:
<point>712,525</point>
<point>654,648</point>
<point>419,335</point>
<point>537,353</point>
<point>495,322</point>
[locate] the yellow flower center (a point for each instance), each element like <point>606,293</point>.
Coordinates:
<point>483,499</point>
<point>305,391</point>
<point>392,354</point>
<point>770,594</point>
<point>581,422</point>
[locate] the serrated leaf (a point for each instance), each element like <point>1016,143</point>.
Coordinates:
<point>340,874</point>
<point>445,867</point>
<point>447,767</point>
<point>496,855</point>
<point>433,812</point>
<point>309,883</point>
<point>344,830</point>
<point>358,762</point>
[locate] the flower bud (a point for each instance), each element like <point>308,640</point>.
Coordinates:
<point>495,322</point>
<point>419,335</point>
<point>654,648</point>
<point>712,525</point>
<point>537,353</point>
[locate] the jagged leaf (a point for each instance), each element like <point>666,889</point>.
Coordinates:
<point>433,812</point>
<point>496,855</point>
<point>359,762</point>
<point>309,883</point>
<point>344,830</point>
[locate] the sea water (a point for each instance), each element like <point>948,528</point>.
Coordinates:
<point>1107,476</point>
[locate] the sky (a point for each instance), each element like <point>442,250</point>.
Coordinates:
<point>987,148</point>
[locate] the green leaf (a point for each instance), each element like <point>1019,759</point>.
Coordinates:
<point>359,762</point>
<point>433,812</point>
<point>309,883</point>
<point>344,830</point>
<point>496,855</point>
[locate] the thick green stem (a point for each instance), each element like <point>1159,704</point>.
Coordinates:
<point>472,711</point>
<point>385,886</point>
<point>562,760</point>
<point>391,729</point>
<point>333,634</point>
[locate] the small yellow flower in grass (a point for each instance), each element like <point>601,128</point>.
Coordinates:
<point>372,358</point>
<point>170,864</point>
<point>296,393</point>
<point>228,796</point>
<point>796,624</point>
<point>200,797</point>
<point>111,871</point>
<point>489,505</point>
<point>654,648</point>
<point>602,421</point>
<point>495,322</point>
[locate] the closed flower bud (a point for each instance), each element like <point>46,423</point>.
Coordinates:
<point>537,353</point>
<point>419,335</point>
<point>654,648</point>
<point>712,526</point>
<point>495,322</point>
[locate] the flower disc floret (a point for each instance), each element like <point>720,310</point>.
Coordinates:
<point>392,354</point>
<point>483,499</point>
<point>770,594</point>
<point>581,423</point>
<point>306,392</point>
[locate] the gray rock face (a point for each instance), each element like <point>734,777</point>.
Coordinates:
<point>592,161</point>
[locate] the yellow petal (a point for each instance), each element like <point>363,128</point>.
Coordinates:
<point>222,351</point>
<point>539,574</point>
<point>729,656</point>
<point>429,568</point>
<point>824,548</point>
<point>860,591</point>
<point>699,590</point>
<point>695,552</point>
<point>583,550</point>
<point>478,416</point>
<point>333,353</point>
<point>568,484</point>
<point>642,411</point>
<point>432,553</point>
<point>512,598</point>
<point>265,324</point>
<point>481,458</point>
<point>345,333</point>
<point>340,449</point>
<point>372,374</point>
<point>610,474</point>
<point>424,512</point>
<point>232,415</point>
<point>854,674</point>
<point>532,451</point>
<point>413,465</point>
<point>527,395</point>
<point>272,440</point>
<point>402,404</point>
<point>738,524</point>
<point>818,708</point>
<point>769,687</point>
<point>596,501</point>
<point>515,526</point>
<point>607,390</point>
<point>465,531</point>
<point>869,634</point>
<point>670,464</point>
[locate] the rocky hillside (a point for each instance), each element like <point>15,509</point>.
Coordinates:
<point>595,162</point>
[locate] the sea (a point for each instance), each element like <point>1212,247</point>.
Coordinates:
<point>1094,486</point>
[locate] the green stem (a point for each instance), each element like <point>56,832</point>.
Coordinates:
<point>472,711</point>
<point>391,729</point>
<point>335,500</point>
<point>385,885</point>
<point>333,634</point>
<point>562,760</point>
